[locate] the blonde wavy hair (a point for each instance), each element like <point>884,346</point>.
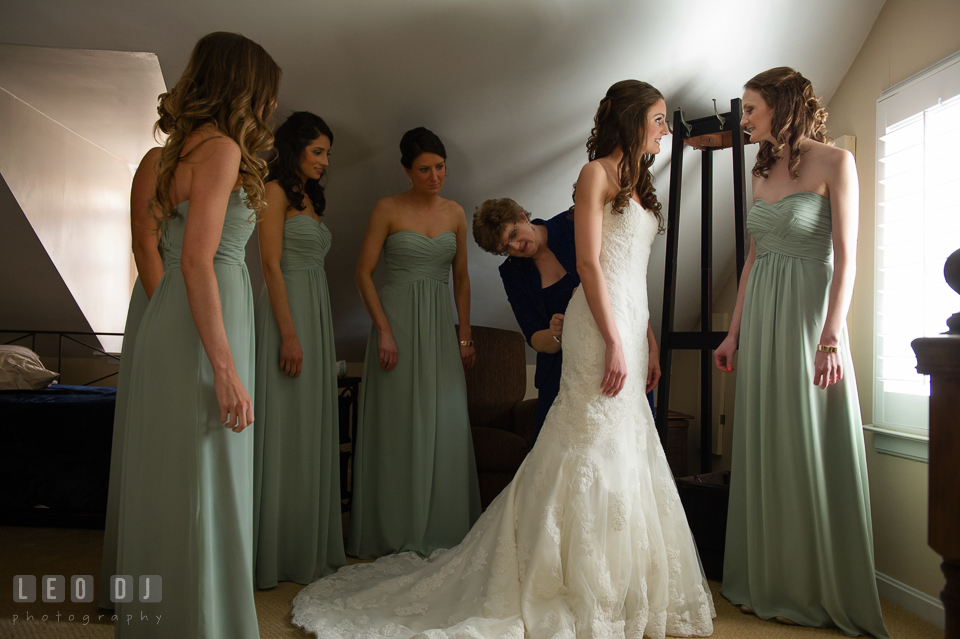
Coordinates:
<point>797,115</point>
<point>232,83</point>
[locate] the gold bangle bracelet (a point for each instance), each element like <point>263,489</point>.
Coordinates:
<point>465,342</point>
<point>826,349</point>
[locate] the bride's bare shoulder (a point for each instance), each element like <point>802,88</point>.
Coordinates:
<point>599,176</point>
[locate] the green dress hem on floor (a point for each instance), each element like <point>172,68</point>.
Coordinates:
<point>298,531</point>
<point>799,540</point>
<point>186,504</point>
<point>415,478</point>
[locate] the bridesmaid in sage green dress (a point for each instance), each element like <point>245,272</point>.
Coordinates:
<point>799,545</point>
<point>143,228</point>
<point>298,534</point>
<point>415,478</point>
<point>186,503</point>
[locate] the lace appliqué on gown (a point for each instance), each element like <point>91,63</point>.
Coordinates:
<point>588,541</point>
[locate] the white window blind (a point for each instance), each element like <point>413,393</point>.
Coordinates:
<point>917,228</point>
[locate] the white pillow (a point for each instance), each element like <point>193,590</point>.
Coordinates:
<point>20,369</point>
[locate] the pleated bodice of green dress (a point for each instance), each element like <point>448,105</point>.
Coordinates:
<point>298,531</point>
<point>306,243</point>
<point>799,540</point>
<point>186,504</point>
<point>415,479</point>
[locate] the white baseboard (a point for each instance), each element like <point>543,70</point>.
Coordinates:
<point>908,598</point>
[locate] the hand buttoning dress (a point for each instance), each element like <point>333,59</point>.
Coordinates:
<point>186,504</point>
<point>590,538</point>
<point>298,533</point>
<point>415,481</point>
<point>799,537</point>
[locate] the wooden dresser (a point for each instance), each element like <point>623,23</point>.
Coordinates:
<point>939,357</point>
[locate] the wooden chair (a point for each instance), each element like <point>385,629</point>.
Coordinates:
<point>501,420</point>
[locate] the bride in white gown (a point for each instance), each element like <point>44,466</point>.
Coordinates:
<point>590,539</point>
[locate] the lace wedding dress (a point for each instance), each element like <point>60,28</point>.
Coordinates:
<point>588,541</point>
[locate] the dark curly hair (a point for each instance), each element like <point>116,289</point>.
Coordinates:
<point>291,138</point>
<point>621,121</point>
<point>417,141</point>
<point>797,115</point>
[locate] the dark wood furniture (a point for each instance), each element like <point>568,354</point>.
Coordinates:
<point>705,499</point>
<point>349,413</point>
<point>707,134</point>
<point>676,446</point>
<point>939,357</point>
<point>502,422</point>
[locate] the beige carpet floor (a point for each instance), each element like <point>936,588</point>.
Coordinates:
<point>53,551</point>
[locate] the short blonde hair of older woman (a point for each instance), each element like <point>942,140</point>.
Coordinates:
<point>490,220</point>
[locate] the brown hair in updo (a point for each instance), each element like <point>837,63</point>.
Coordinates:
<point>621,121</point>
<point>797,115</point>
<point>418,141</point>
<point>232,83</point>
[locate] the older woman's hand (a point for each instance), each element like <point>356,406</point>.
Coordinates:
<point>556,326</point>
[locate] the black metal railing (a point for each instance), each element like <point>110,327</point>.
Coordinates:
<point>61,335</point>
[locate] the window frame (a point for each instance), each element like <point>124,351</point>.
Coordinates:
<point>903,101</point>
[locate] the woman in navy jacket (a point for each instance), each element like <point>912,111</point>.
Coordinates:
<point>539,277</point>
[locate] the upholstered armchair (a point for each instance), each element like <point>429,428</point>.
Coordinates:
<point>501,421</point>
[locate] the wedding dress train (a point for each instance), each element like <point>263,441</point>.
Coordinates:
<point>589,540</point>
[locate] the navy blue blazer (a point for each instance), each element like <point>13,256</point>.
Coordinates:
<point>533,308</point>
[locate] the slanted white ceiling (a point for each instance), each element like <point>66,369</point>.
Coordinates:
<point>509,85</point>
<point>107,98</point>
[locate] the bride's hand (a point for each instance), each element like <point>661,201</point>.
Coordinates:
<point>653,370</point>
<point>614,371</point>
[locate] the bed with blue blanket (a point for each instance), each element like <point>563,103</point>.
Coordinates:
<point>55,454</point>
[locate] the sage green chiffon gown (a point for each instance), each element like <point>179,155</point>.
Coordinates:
<point>799,536</point>
<point>415,477</point>
<point>108,565</point>
<point>186,505</point>
<point>298,531</point>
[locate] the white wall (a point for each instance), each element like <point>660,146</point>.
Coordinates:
<point>76,197</point>
<point>73,126</point>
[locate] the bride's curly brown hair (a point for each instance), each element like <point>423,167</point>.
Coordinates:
<point>621,121</point>
<point>232,83</point>
<point>797,115</point>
